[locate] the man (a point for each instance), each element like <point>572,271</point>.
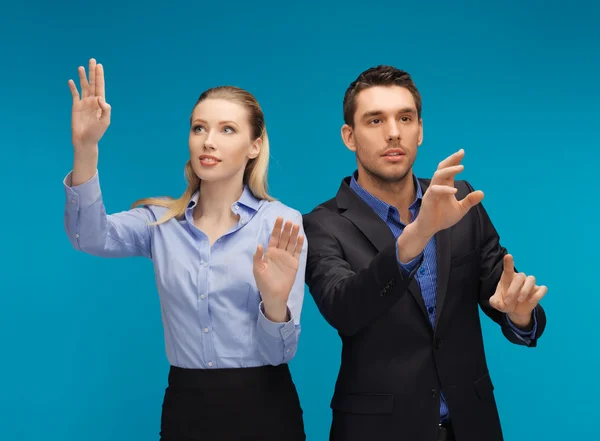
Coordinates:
<point>399,266</point>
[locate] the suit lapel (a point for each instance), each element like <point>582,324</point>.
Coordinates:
<point>443,241</point>
<point>374,228</point>
<point>442,248</point>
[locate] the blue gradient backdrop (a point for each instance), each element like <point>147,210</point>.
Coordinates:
<point>515,85</point>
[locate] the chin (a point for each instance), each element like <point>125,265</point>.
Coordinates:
<point>206,174</point>
<point>210,176</point>
<point>391,176</point>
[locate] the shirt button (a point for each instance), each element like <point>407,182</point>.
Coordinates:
<point>73,201</point>
<point>236,207</point>
<point>205,329</point>
<point>210,363</point>
<point>422,270</point>
<point>202,296</point>
<point>430,309</point>
<point>77,235</point>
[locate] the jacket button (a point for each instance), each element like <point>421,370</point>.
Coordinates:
<point>437,343</point>
<point>433,393</point>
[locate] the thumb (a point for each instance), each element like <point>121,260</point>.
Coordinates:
<point>105,108</point>
<point>472,199</point>
<point>497,302</point>
<point>258,255</point>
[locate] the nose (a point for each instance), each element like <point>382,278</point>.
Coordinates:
<point>393,132</point>
<point>209,143</point>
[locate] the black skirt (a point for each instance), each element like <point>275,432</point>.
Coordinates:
<point>259,403</point>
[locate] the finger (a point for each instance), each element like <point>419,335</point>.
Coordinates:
<point>105,109</point>
<point>446,175</point>
<point>293,238</point>
<point>299,246</point>
<point>508,273</point>
<point>83,83</point>
<point>453,159</point>
<point>514,289</point>
<point>100,82</point>
<point>285,235</point>
<point>441,189</point>
<point>92,74</point>
<point>74,91</point>
<point>527,289</point>
<point>276,233</point>
<point>470,200</point>
<point>537,295</point>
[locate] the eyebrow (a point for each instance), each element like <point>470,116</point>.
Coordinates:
<point>372,113</point>
<point>220,122</point>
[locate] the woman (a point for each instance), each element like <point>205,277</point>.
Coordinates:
<point>229,271</point>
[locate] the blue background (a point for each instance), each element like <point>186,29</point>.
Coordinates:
<point>515,86</point>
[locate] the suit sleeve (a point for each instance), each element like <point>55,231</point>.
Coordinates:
<point>349,300</point>
<point>492,255</point>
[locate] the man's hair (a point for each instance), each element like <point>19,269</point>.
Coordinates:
<point>378,76</point>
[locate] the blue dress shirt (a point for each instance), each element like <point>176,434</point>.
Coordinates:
<point>211,308</point>
<point>426,275</point>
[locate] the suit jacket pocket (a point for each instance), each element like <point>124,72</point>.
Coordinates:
<point>471,256</point>
<point>369,404</point>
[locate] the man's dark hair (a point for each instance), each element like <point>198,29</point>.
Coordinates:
<point>378,76</point>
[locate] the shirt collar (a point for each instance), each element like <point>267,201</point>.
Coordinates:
<point>377,205</point>
<point>247,200</point>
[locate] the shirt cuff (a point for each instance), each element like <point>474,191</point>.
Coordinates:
<point>82,195</point>
<point>524,335</point>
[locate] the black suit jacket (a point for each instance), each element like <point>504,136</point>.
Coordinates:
<point>394,363</point>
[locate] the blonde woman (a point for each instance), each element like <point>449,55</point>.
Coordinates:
<point>229,264</point>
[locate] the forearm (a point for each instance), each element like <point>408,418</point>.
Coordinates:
<point>352,301</point>
<point>91,230</point>
<point>85,164</point>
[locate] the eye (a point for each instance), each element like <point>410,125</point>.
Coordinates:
<point>228,129</point>
<point>375,121</point>
<point>405,118</point>
<point>197,128</point>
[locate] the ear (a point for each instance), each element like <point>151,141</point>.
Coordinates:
<point>348,137</point>
<point>420,138</point>
<point>254,149</point>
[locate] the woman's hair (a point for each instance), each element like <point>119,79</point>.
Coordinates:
<point>255,174</point>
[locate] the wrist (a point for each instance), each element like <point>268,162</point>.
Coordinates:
<point>412,242</point>
<point>524,323</point>
<point>85,149</point>
<point>276,311</point>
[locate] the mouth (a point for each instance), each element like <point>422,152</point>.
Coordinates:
<point>394,152</point>
<point>394,155</point>
<point>209,160</point>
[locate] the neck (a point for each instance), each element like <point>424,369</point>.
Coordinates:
<point>400,194</point>
<point>215,199</point>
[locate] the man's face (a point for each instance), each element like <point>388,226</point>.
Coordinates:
<point>386,132</point>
